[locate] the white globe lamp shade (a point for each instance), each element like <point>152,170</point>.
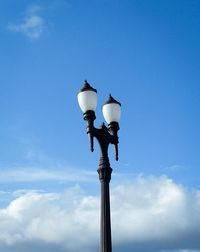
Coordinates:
<point>87,98</point>
<point>111,110</point>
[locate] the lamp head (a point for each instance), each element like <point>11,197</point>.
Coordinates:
<point>111,110</point>
<point>87,97</point>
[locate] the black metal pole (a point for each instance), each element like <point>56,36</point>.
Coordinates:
<point>104,136</point>
<point>105,232</point>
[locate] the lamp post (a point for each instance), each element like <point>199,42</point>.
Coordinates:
<point>87,99</point>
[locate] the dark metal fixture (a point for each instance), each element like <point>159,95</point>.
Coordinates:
<point>87,99</point>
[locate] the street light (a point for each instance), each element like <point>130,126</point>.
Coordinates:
<point>87,99</point>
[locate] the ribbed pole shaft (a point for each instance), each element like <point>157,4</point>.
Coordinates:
<point>105,236</point>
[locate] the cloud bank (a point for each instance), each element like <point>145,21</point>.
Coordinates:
<point>32,26</point>
<point>148,214</point>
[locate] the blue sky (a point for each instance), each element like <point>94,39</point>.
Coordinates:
<point>146,53</point>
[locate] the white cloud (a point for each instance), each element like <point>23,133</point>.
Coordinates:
<point>33,24</point>
<point>184,250</point>
<point>148,214</point>
<point>50,218</point>
<point>35,174</point>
